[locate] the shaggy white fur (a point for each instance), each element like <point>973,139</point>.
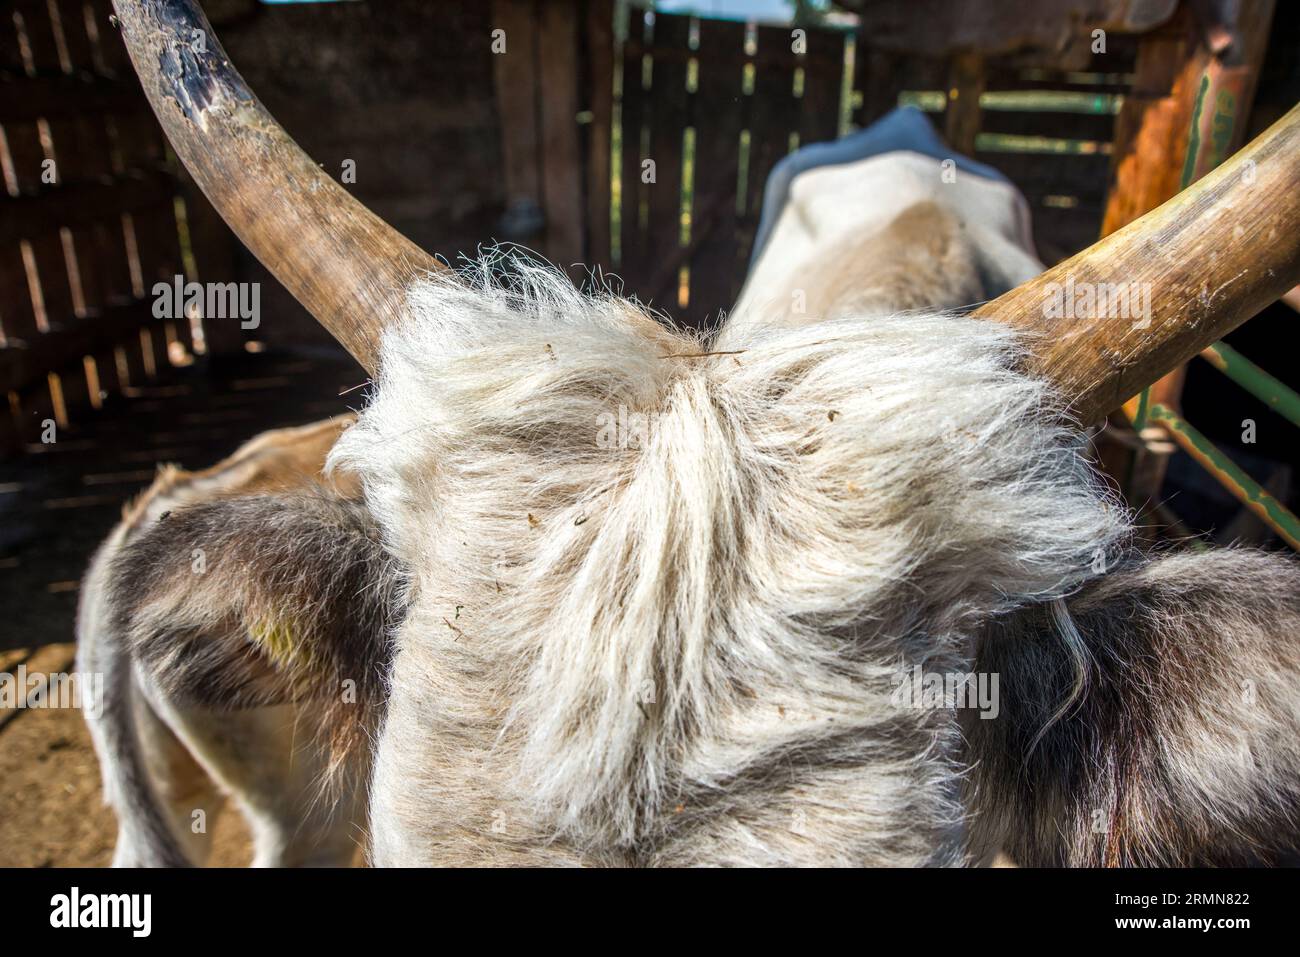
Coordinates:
<point>682,650</point>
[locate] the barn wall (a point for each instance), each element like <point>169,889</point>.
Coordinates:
<point>401,87</point>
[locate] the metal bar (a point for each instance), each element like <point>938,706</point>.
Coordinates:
<point>1271,391</point>
<point>1142,411</point>
<point>1245,489</point>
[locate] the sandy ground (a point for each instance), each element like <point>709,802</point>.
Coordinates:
<point>52,812</point>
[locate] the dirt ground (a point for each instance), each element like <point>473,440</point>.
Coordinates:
<point>52,812</point>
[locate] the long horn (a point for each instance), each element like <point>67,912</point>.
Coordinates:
<point>1210,258</point>
<point>341,261</point>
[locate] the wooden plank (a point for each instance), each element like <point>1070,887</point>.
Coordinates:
<point>775,117</point>
<point>72,25</point>
<point>20,368</point>
<point>17,317</point>
<point>772,56</point>
<point>11,55</point>
<point>1060,233</point>
<point>48,277</point>
<point>214,247</point>
<point>78,205</point>
<point>1065,174</point>
<point>157,242</point>
<point>562,196</point>
<point>880,76</point>
<point>27,156</point>
<point>109,41</point>
<point>963,115</point>
<point>599,61</point>
<point>669,117</point>
<point>715,264</point>
<point>160,260</point>
<point>633,193</point>
<point>33,409</point>
<point>823,78</point>
<point>32,17</point>
<point>1117,83</point>
<point>113,266</point>
<point>1096,127</point>
<point>29,98</point>
<point>515,74</point>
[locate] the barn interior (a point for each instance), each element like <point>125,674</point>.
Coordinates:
<point>529,122</point>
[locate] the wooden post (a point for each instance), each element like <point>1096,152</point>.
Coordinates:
<point>562,195</point>
<point>963,116</point>
<point>600,84</point>
<point>515,76</point>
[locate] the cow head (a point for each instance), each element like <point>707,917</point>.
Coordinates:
<point>680,642</point>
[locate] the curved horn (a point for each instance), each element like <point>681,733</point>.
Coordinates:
<point>341,261</point>
<point>1210,258</point>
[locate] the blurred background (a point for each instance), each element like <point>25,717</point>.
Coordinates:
<point>1097,109</point>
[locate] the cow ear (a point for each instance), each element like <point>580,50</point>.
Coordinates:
<point>262,599</point>
<point>1152,719</point>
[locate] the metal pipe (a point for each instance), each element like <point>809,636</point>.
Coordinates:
<point>1271,391</point>
<point>1245,489</point>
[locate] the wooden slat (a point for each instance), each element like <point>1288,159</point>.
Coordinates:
<point>111,47</point>
<point>1063,232</point>
<point>29,98</point>
<point>880,75</point>
<point>21,367</point>
<point>17,317</point>
<point>213,246</point>
<point>515,76</point>
<point>1097,127</point>
<point>632,191</point>
<point>11,58</point>
<point>27,155</point>
<point>774,118</point>
<point>599,63</point>
<point>669,117</point>
<point>823,68</point>
<point>160,260</point>
<point>51,274</point>
<point>562,196</point>
<point>963,115</point>
<point>772,56</point>
<point>716,263</point>
<point>39,33</point>
<point>78,205</point>
<point>72,23</point>
<point>1078,174</point>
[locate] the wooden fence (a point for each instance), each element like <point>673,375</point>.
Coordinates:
<point>682,120</point>
<point>645,144</point>
<point>88,219</point>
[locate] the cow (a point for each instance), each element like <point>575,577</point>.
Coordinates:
<point>700,642</point>
<point>208,705</point>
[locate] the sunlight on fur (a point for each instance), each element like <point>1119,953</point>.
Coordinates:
<point>661,654</point>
